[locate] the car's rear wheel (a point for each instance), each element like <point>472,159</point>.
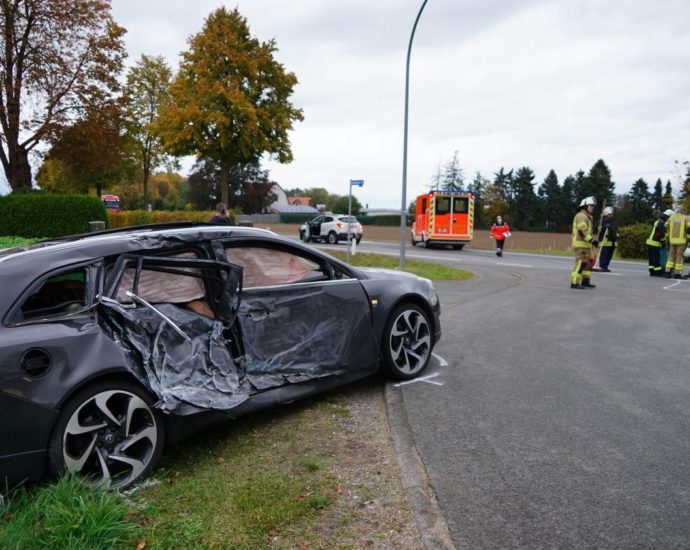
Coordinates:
<point>358,239</point>
<point>332,238</point>
<point>109,433</point>
<point>407,342</point>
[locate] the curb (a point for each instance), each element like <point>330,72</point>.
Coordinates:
<point>427,512</point>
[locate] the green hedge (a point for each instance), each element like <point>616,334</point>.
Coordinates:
<point>297,218</point>
<point>389,221</point>
<point>129,218</point>
<point>632,240</point>
<point>37,215</point>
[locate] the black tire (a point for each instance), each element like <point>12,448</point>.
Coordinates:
<point>458,246</point>
<point>94,438</point>
<point>427,243</point>
<point>332,238</point>
<point>303,236</point>
<point>407,342</point>
<point>359,240</point>
<point>414,243</point>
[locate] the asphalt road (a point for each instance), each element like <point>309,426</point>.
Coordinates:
<point>563,417</point>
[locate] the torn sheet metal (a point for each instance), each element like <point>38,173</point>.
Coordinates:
<point>187,374</point>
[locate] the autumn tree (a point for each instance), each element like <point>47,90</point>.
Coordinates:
<point>90,154</point>
<point>230,98</point>
<point>148,89</point>
<point>56,56</point>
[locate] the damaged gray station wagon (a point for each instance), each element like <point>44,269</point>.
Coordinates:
<point>115,343</point>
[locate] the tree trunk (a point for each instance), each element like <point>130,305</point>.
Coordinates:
<point>19,176</point>
<point>224,169</point>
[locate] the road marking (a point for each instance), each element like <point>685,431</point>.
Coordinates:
<point>441,361</point>
<point>513,265</point>
<point>670,287</point>
<point>426,379</point>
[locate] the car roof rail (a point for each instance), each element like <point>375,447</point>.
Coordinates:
<point>148,227</point>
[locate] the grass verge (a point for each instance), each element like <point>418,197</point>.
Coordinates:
<point>9,242</point>
<point>66,515</point>
<point>429,270</point>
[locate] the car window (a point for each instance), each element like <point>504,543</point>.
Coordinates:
<point>58,295</point>
<point>158,286</point>
<point>348,219</point>
<point>327,219</point>
<point>269,267</point>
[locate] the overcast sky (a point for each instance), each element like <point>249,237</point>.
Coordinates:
<point>544,84</point>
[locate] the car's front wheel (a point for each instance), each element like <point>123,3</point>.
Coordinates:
<point>332,238</point>
<point>109,433</point>
<point>407,342</point>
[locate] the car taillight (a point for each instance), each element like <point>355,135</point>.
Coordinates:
<point>340,225</point>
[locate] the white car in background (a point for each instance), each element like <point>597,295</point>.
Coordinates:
<point>331,228</point>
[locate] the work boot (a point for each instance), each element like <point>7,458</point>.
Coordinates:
<point>668,275</point>
<point>677,276</point>
<point>587,284</point>
<point>575,285</point>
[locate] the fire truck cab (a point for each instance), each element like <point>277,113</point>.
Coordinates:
<point>443,218</point>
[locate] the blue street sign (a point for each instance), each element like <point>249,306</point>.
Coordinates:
<point>358,183</point>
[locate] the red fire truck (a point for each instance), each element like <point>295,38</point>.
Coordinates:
<point>444,218</point>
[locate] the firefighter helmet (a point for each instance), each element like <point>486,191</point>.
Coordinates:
<point>587,201</point>
<point>608,210</point>
<point>668,213</point>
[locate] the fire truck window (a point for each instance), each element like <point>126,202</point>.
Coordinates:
<point>424,206</point>
<point>442,205</point>
<point>460,205</point>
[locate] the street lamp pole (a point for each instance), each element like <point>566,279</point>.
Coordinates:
<point>403,208</point>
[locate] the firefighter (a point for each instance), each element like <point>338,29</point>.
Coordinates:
<point>582,244</point>
<point>499,232</point>
<point>608,238</point>
<point>655,242</point>
<point>677,227</point>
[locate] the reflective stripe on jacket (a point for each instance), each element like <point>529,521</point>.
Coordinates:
<point>582,230</point>
<point>658,235</point>
<point>677,226</point>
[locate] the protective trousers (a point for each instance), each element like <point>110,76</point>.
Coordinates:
<point>675,258</point>
<point>654,257</point>
<point>581,269</point>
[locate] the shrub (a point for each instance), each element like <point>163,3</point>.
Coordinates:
<point>386,220</point>
<point>297,217</point>
<point>632,240</point>
<point>36,215</point>
<point>129,218</point>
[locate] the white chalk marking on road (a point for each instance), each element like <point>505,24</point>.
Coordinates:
<point>426,379</point>
<point>670,287</point>
<point>441,361</point>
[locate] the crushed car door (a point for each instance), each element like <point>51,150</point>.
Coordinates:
<point>300,317</point>
<point>172,314</point>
